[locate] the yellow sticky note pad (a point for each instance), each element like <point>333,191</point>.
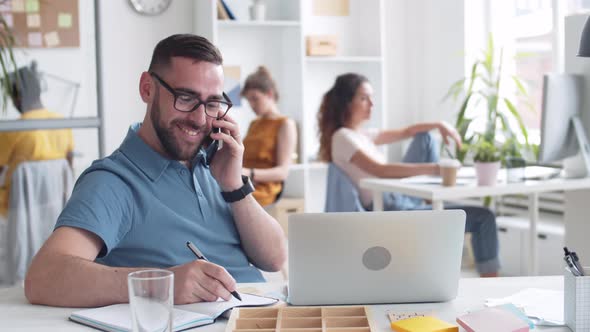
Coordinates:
<point>423,324</point>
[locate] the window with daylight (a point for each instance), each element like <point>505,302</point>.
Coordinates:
<point>531,35</point>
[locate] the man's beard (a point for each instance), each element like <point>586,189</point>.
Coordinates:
<point>171,145</point>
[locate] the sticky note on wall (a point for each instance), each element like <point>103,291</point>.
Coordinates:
<point>8,19</point>
<point>52,39</point>
<point>18,6</point>
<point>33,20</point>
<point>35,39</point>
<point>64,20</point>
<point>5,6</point>
<point>32,6</point>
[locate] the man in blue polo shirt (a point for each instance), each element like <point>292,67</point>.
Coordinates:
<point>137,208</point>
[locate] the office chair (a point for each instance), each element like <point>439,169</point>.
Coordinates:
<point>341,194</point>
<point>38,193</point>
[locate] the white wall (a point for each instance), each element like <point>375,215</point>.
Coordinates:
<point>424,48</point>
<point>127,40</point>
<point>439,60</point>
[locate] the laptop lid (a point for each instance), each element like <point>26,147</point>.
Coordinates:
<point>375,257</point>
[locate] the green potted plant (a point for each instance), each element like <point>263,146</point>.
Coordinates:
<point>7,63</point>
<point>487,97</point>
<point>486,158</point>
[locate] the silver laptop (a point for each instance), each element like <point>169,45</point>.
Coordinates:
<point>375,257</point>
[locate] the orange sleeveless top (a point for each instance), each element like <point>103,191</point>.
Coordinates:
<point>260,151</point>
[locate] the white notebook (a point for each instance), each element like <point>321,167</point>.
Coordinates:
<point>117,317</point>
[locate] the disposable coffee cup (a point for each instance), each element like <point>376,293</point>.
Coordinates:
<point>448,171</point>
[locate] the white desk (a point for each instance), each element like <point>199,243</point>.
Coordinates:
<point>17,315</point>
<point>437,194</point>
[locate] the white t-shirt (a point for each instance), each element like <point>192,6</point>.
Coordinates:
<point>345,143</point>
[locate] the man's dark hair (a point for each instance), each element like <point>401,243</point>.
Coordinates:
<point>184,45</point>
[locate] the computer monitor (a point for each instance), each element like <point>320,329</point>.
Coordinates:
<point>562,132</point>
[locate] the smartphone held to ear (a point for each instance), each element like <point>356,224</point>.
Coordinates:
<point>212,148</point>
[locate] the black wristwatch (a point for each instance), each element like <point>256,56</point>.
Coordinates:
<point>238,194</point>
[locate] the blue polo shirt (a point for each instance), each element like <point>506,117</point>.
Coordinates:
<point>145,208</point>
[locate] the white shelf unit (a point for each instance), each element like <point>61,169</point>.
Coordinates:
<point>343,59</point>
<point>238,24</point>
<point>279,44</point>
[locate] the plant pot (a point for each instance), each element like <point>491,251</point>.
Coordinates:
<point>487,173</point>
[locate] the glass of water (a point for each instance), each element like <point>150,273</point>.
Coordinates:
<point>515,167</point>
<point>151,298</point>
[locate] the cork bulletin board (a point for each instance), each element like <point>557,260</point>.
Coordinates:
<point>43,23</point>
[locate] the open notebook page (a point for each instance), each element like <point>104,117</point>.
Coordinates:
<point>117,317</point>
<point>215,309</point>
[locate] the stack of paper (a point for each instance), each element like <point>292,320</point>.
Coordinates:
<point>544,307</point>
<point>505,318</point>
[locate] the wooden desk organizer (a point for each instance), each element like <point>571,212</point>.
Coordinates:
<point>300,319</point>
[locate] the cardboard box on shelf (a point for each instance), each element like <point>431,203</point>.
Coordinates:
<point>322,45</point>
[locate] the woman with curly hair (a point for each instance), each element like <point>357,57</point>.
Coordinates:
<point>343,141</point>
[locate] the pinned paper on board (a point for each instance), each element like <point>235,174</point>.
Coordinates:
<point>231,84</point>
<point>8,19</point>
<point>56,20</point>
<point>32,6</point>
<point>52,39</point>
<point>5,6</point>
<point>35,39</point>
<point>64,20</point>
<point>331,7</point>
<point>33,20</point>
<point>18,6</point>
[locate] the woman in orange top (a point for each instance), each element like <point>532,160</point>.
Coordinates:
<point>270,142</point>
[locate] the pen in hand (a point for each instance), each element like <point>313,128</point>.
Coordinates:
<point>449,152</point>
<point>200,255</point>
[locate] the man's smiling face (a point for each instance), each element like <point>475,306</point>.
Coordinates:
<point>181,134</point>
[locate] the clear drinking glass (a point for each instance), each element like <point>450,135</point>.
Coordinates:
<point>151,297</point>
<point>515,167</point>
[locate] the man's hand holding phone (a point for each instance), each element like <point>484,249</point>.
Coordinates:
<point>213,147</point>
<point>226,165</point>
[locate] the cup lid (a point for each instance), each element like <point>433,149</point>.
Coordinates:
<point>447,162</point>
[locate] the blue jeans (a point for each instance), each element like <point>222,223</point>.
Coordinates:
<point>481,221</point>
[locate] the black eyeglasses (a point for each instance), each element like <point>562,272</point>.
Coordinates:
<point>188,102</point>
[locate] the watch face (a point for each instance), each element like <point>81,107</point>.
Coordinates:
<point>150,7</point>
